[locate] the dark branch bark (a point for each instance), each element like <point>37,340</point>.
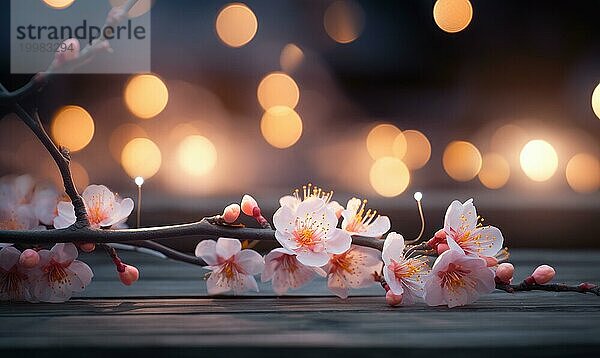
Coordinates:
<point>202,229</point>
<point>553,287</point>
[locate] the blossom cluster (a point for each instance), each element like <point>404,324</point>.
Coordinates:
<point>315,243</point>
<point>316,237</point>
<point>50,275</point>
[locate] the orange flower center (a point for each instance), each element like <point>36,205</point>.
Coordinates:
<point>454,277</point>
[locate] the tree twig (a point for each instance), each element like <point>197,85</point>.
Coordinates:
<point>203,229</point>
<point>553,287</point>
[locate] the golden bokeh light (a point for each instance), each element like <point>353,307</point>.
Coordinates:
<point>596,101</point>
<point>196,155</point>
<point>452,15</point>
<point>236,25</point>
<point>140,8</point>
<point>494,172</point>
<point>462,160</point>
<point>583,173</point>
<point>146,95</point>
<point>72,127</point>
<point>389,176</point>
<point>121,136</point>
<point>418,149</point>
<point>344,21</point>
<point>291,57</point>
<point>278,89</point>
<point>281,127</point>
<point>386,140</point>
<point>538,160</point>
<point>141,157</point>
<point>59,4</point>
<point>508,140</point>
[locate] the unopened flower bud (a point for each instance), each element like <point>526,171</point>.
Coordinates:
<point>586,286</point>
<point>231,213</point>
<point>248,205</point>
<point>438,238</point>
<point>504,273</point>
<point>393,299</point>
<point>29,258</point>
<point>87,247</point>
<point>490,261</point>
<point>543,274</point>
<point>129,275</point>
<point>441,248</point>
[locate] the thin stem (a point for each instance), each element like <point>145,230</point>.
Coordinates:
<point>422,217</point>
<point>553,287</point>
<point>170,253</point>
<point>139,207</point>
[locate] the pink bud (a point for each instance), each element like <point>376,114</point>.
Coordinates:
<point>231,213</point>
<point>543,274</point>
<point>440,234</point>
<point>130,275</point>
<point>441,248</point>
<point>505,272</point>
<point>67,51</point>
<point>248,205</point>
<point>87,247</point>
<point>29,258</point>
<point>586,286</point>
<point>393,299</point>
<point>490,261</point>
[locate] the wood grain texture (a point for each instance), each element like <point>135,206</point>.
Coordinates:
<point>168,313</point>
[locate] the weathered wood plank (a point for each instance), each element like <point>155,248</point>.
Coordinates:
<point>168,310</point>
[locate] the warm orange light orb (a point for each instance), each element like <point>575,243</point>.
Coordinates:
<point>583,173</point>
<point>461,160</point>
<point>291,57</point>
<point>146,95</point>
<point>278,89</point>
<point>389,176</point>
<point>72,127</point>
<point>452,15</point>
<point>418,149</point>
<point>386,140</point>
<point>141,157</point>
<point>121,136</point>
<point>59,4</point>
<point>538,160</point>
<point>494,172</point>
<point>196,155</point>
<point>344,21</point>
<point>281,127</point>
<point>236,25</point>
<point>596,101</point>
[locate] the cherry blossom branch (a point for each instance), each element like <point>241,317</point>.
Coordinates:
<point>553,287</point>
<point>204,229</point>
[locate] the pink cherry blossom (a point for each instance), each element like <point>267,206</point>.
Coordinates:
<point>25,203</point>
<point>460,226</point>
<point>104,209</point>
<point>457,279</point>
<point>404,276</point>
<point>364,223</point>
<point>285,272</point>
<point>59,274</point>
<point>233,269</point>
<point>310,231</point>
<point>14,278</point>
<point>352,269</point>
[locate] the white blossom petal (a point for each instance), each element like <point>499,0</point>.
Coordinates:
<point>207,251</point>
<point>250,261</point>
<point>338,241</point>
<point>227,247</point>
<point>393,247</point>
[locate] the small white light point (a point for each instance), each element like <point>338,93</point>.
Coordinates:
<point>418,196</point>
<point>139,181</point>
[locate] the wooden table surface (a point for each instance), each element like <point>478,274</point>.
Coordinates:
<point>168,313</point>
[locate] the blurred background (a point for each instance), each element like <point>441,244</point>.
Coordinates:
<point>494,100</point>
